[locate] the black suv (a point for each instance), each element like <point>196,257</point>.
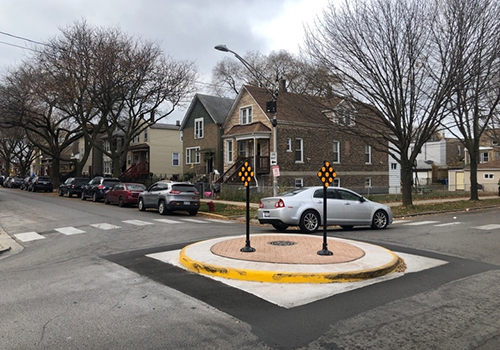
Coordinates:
<point>73,185</point>
<point>43,183</point>
<point>97,187</point>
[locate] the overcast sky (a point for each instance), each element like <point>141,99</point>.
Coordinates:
<point>185,29</point>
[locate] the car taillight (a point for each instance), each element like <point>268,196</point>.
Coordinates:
<point>129,193</point>
<point>279,204</point>
<point>175,192</point>
<point>196,192</point>
<point>72,186</point>
<point>261,205</point>
<point>101,187</point>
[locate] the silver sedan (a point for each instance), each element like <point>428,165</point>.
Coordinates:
<point>304,208</point>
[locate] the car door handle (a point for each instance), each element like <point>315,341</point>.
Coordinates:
<point>347,203</point>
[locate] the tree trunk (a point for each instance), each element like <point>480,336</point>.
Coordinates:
<point>56,171</point>
<point>473,179</point>
<point>406,182</point>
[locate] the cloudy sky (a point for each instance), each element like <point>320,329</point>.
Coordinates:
<point>185,29</point>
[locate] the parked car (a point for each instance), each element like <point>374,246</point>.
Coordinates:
<point>97,187</point>
<point>25,184</point>
<point>73,186</point>
<point>2,180</point>
<point>13,182</point>
<point>304,208</point>
<point>41,183</point>
<point>167,196</point>
<point>126,193</point>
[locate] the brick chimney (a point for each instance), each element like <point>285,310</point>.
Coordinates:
<point>282,85</point>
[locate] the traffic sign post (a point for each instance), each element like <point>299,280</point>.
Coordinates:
<point>326,174</point>
<point>246,175</point>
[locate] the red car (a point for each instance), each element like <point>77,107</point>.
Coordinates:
<point>124,193</point>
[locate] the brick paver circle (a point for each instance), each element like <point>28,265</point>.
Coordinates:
<point>288,249</point>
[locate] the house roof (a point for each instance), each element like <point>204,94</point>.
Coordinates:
<point>291,107</point>
<point>492,164</point>
<point>216,107</point>
<point>165,126</point>
<point>248,128</point>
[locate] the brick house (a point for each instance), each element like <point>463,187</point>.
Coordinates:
<point>308,132</point>
<point>202,136</point>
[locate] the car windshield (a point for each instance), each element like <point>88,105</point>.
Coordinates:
<point>136,187</point>
<point>184,188</point>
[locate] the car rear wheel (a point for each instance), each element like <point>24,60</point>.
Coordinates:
<point>61,193</point>
<point>120,202</point>
<point>83,196</point>
<point>141,205</point>
<point>94,197</point>
<point>280,227</point>
<point>193,212</point>
<point>70,194</point>
<point>380,220</point>
<point>106,200</point>
<point>162,208</point>
<point>309,221</point>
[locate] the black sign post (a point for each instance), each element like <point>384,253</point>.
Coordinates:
<point>246,175</point>
<point>326,175</point>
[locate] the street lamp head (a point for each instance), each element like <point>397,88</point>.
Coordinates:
<point>221,48</point>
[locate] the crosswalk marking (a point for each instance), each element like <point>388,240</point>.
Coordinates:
<point>449,224</point>
<point>421,223</point>
<point>219,221</point>
<point>69,230</point>
<point>138,222</point>
<point>195,221</point>
<point>28,236</point>
<point>488,227</point>
<point>167,221</point>
<point>105,226</point>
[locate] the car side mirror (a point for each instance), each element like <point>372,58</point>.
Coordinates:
<point>362,199</point>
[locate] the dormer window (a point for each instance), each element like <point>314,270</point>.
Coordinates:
<point>343,114</point>
<point>246,115</point>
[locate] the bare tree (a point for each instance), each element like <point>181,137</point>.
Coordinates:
<point>300,76</point>
<point>382,52</point>
<point>472,30</point>
<point>112,82</point>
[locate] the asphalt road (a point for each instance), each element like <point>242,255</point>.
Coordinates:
<point>88,284</point>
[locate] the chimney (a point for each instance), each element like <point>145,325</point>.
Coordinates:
<point>282,85</point>
<point>177,123</point>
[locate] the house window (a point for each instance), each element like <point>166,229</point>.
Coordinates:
<point>368,182</point>
<point>336,182</point>
<point>146,135</point>
<point>394,166</point>
<point>129,159</point>
<point>288,144</point>
<point>106,146</point>
<point>336,152</point>
<point>193,155</point>
<point>246,115</point>
<point>107,168</point>
<point>299,183</point>
<point>484,157</point>
<point>459,149</point>
<point>243,149</point>
<point>175,159</point>
<point>368,154</point>
<point>229,151</point>
<point>181,135</point>
<point>198,128</point>
<point>488,176</point>
<point>299,150</point>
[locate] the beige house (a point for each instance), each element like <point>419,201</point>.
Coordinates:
<point>155,151</point>
<point>488,175</point>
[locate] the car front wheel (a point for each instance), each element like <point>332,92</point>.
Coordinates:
<point>94,197</point>
<point>83,196</point>
<point>309,221</point>
<point>141,205</point>
<point>120,202</point>
<point>380,220</point>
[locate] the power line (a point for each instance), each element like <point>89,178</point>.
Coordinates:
<point>21,47</point>
<point>25,39</point>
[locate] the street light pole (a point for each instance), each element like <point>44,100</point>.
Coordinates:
<point>258,75</point>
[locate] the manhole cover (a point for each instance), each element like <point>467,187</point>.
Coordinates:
<point>282,243</point>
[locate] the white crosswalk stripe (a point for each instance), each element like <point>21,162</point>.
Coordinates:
<point>219,221</point>
<point>167,221</point>
<point>488,227</point>
<point>449,224</point>
<point>69,230</point>
<point>195,221</point>
<point>105,226</point>
<point>28,236</point>
<point>418,223</point>
<point>137,222</point>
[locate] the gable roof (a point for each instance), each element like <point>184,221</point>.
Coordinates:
<point>216,107</point>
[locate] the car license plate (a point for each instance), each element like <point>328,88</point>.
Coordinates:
<point>266,214</point>
<point>187,203</point>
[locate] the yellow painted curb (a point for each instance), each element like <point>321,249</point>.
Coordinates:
<point>286,277</point>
